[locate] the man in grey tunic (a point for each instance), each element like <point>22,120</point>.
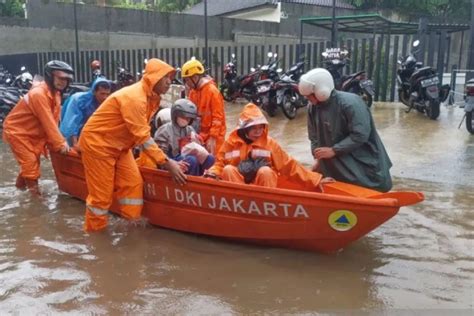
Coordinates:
<point>344,141</point>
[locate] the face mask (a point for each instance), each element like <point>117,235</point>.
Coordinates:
<point>182,122</point>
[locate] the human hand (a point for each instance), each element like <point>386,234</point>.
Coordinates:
<point>183,165</point>
<point>327,180</point>
<point>64,149</point>
<point>211,145</point>
<point>316,166</point>
<point>324,153</point>
<point>176,173</point>
<point>209,174</point>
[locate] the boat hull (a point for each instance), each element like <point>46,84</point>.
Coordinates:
<point>322,222</point>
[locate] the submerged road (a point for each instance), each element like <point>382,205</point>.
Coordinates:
<point>420,259</point>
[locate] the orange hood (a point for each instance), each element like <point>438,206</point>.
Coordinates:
<point>155,70</point>
<point>251,115</point>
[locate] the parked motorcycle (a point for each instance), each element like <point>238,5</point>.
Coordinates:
<point>419,87</point>
<point>335,60</point>
<point>266,89</point>
<point>234,86</point>
<point>124,78</point>
<point>469,106</point>
<point>24,80</point>
<point>9,97</point>
<point>288,97</point>
<point>5,76</point>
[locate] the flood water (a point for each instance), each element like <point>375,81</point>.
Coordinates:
<point>422,259</point>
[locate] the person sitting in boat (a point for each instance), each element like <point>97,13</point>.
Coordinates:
<point>250,156</point>
<point>79,107</point>
<point>180,142</point>
<point>344,140</point>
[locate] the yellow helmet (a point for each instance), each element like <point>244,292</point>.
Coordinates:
<point>192,67</point>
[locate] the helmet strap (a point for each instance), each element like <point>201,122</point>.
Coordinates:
<point>196,83</point>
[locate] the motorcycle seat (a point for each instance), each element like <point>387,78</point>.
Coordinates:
<point>266,81</point>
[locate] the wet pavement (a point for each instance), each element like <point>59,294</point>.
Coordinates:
<point>420,260</point>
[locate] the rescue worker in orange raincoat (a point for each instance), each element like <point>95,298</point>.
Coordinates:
<point>32,125</point>
<point>210,104</point>
<point>250,156</point>
<point>118,125</point>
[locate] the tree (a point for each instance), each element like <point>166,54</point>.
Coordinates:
<point>12,8</point>
<point>437,10</point>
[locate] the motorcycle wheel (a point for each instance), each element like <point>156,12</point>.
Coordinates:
<point>432,110</point>
<point>224,89</point>
<point>402,98</point>
<point>289,108</point>
<point>469,122</point>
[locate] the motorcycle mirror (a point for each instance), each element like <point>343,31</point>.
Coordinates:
<point>252,69</point>
<point>233,55</point>
<point>270,54</point>
<point>416,43</point>
<point>279,70</point>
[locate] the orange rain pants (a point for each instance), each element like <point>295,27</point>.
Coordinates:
<point>266,177</point>
<point>119,178</point>
<point>210,106</point>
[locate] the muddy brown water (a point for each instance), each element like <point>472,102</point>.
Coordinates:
<point>420,260</point>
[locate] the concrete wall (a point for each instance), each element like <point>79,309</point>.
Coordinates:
<point>50,28</point>
<point>106,19</point>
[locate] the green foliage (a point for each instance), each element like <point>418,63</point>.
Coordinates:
<point>446,10</point>
<point>12,8</point>
<point>158,5</point>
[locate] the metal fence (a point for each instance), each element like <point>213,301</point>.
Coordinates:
<point>377,55</point>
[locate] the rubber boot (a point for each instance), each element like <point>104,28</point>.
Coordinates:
<point>32,186</point>
<point>20,183</point>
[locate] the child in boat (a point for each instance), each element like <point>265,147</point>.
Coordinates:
<point>180,142</point>
<point>250,156</point>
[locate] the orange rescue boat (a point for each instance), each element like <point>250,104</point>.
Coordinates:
<point>284,217</point>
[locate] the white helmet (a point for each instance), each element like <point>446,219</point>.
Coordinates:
<point>317,81</point>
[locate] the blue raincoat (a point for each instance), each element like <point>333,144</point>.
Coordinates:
<point>77,109</point>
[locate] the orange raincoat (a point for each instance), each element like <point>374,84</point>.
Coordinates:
<point>120,123</point>
<point>210,105</point>
<point>235,150</point>
<point>31,125</point>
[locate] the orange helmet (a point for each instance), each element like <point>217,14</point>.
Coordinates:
<point>95,64</point>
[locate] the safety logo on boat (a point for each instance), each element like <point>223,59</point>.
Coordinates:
<point>342,220</point>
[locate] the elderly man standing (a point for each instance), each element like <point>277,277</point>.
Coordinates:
<point>344,140</point>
